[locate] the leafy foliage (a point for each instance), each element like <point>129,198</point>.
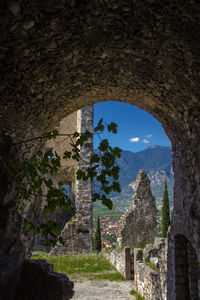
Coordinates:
<point>97,237</point>
<point>165,211</point>
<point>34,174</point>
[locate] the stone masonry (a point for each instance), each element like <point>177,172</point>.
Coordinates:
<point>147,266</point>
<point>40,282</point>
<point>66,174</point>
<point>76,223</point>
<point>77,233</point>
<point>138,225</point>
<point>57,57</point>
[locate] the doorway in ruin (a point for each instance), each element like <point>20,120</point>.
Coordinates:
<point>187,273</point>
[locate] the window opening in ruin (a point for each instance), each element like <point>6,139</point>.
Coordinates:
<point>186,270</point>
<point>67,188</point>
<point>51,153</point>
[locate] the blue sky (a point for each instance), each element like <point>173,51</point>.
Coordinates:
<point>137,129</point>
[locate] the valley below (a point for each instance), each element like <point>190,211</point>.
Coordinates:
<point>156,161</point>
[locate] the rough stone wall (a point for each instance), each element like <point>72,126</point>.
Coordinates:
<point>123,261</point>
<point>78,233</point>
<point>187,271</point>
<point>68,125</point>
<point>66,174</point>
<point>157,254</point>
<point>57,57</point>
<point>138,225</point>
<point>116,259</point>
<point>150,284</point>
<point>38,281</point>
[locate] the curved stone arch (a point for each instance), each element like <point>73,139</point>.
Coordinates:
<point>68,49</point>
<point>59,57</point>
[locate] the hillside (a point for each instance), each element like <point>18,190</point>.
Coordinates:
<point>156,161</point>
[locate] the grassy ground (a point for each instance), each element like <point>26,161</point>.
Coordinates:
<point>90,266</point>
<point>137,295</point>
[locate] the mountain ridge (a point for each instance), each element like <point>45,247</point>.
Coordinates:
<point>155,160</point>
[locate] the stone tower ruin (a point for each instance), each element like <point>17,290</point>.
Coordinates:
<point>76,223</point>
<point>138,225</point>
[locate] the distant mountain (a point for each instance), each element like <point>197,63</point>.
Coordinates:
<point>155,160</point>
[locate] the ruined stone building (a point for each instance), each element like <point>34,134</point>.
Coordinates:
<point>76,223</point>
<point>57,57</point>
<point>137,227</point>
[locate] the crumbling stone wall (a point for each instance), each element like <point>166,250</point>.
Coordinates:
<point>135,265</point>
<point>77,234</point>
<point>148,282</point>
<point>151,284</point>
<point>57,57</point>
<point>117,259</point>
<point>138,225</point>
<point>123,261</point>
<point>66,174</point>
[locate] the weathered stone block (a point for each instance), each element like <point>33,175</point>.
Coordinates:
<point>38,281</point>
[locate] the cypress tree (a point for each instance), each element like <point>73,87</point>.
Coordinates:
<point>97,237</point>
<point>165,211</point>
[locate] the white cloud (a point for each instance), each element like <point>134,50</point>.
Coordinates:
<point>145,141</point>
<point>148,136</point>
<point>134,140</point>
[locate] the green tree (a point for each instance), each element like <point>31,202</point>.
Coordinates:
<point>165,211</point>
<point>97,237</point>
<point>32,174</point>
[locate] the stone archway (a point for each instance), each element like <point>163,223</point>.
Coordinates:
<point>57,57</point>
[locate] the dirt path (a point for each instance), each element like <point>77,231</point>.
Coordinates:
<point>103,290</point>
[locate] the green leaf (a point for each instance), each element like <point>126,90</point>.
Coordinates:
<point>116,186</point>
<point>100,126</point>
<point>117,152</point>
<point>95,196</point>
<point>107,202</point>
<point>115,172</point>
<point>67,155</point>
<point>112,127</point>
<point>80,175</point>
<point>94,158</point>
<point>55,133</point>
<point>76,134</point>
<point>48,182</point>
<point>103,146</point>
